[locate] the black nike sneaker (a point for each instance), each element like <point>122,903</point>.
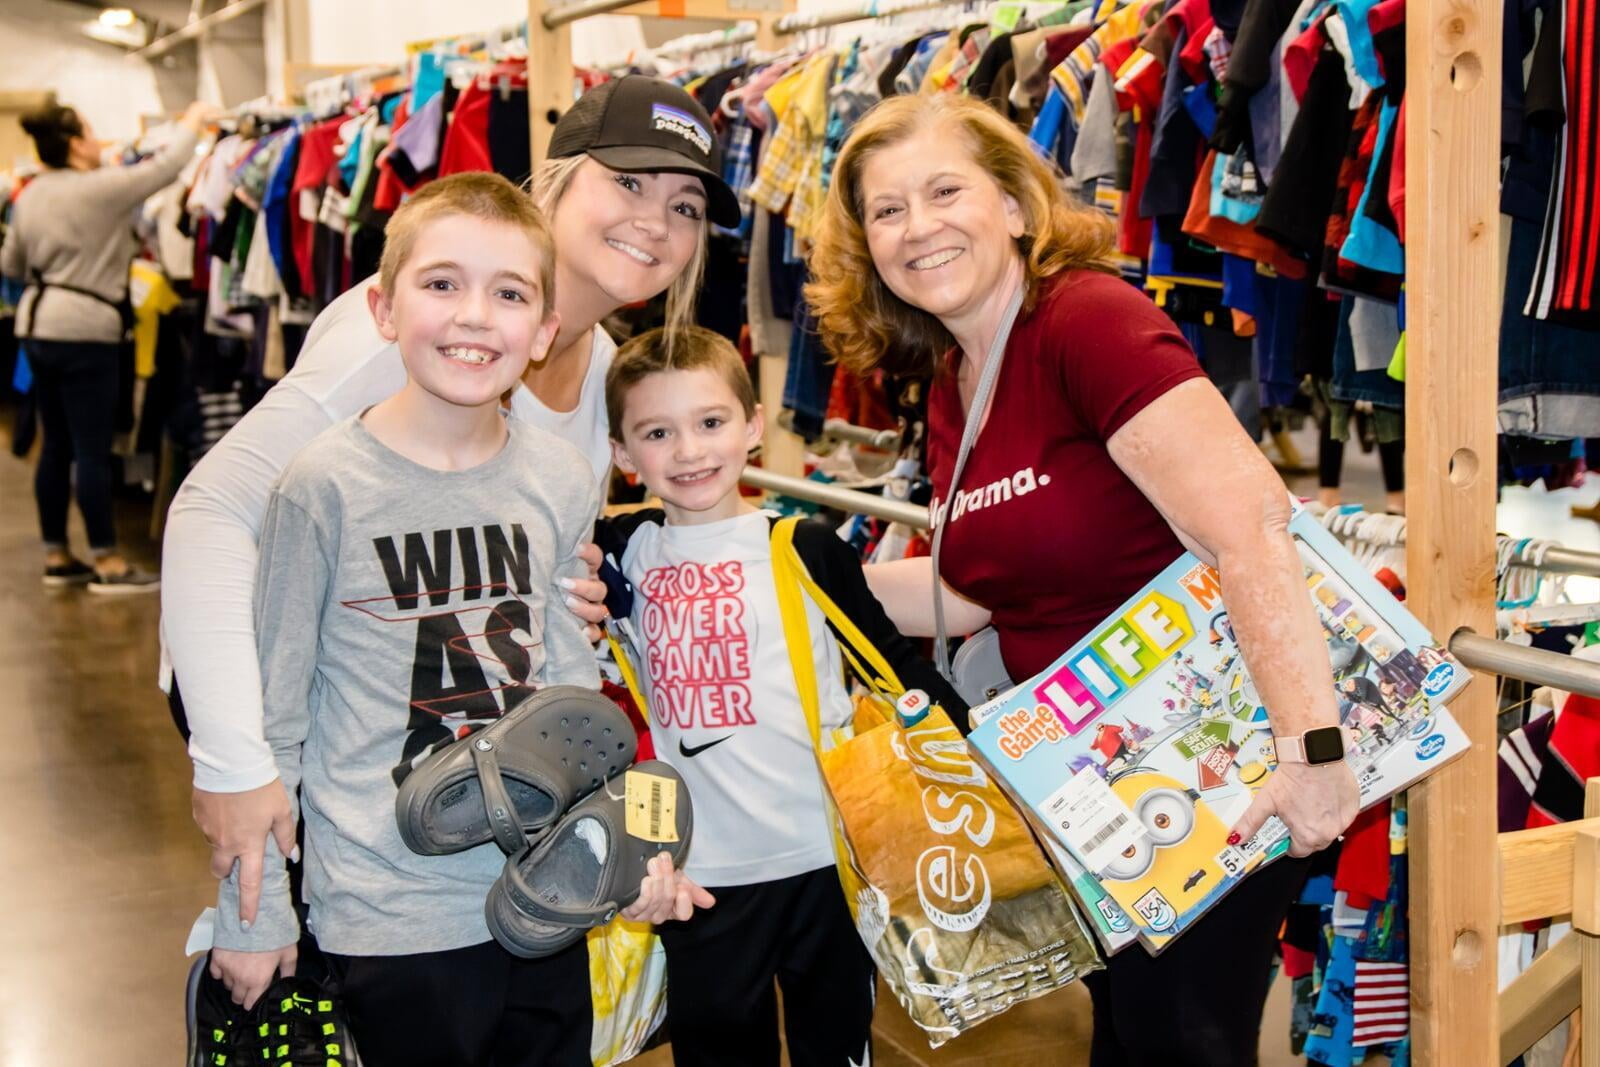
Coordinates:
<point>214,1020</point>
<point>297,1023</point>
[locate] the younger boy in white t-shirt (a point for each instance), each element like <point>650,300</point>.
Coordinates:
<point>723,710</point>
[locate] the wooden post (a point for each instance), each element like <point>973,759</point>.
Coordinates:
<point>1586,926</point>
<point>549,78</point>
<point>1452,317</point>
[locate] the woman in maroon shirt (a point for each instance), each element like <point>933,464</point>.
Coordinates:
<point>1103,453</point>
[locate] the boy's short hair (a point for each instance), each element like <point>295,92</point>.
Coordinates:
<point>659,350</point>
<point>477,195</point>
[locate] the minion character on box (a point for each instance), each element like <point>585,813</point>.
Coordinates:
<point>1174,867</point>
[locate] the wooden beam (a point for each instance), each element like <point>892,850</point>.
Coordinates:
<point>1537,871</point>
<point>550,82</point>
<point>1539,998</point>
<point>1453,299</point>
<point>1586,924</point>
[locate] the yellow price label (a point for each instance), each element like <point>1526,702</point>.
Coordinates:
<point>652,805</point>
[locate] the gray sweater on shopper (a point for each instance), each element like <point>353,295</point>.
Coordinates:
<point>75,228</point>
<point>395,605</point>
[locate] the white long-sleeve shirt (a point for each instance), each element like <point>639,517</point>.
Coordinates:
<point>209,555</point>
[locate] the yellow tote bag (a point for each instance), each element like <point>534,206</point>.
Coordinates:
<point>950,893</point>
<point>627,965</point>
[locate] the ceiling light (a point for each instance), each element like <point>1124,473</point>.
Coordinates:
<point>116,18</point>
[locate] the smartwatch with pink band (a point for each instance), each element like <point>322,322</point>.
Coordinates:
<point>1324,744</point>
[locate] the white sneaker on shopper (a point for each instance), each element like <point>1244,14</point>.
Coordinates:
<point>132,580</point>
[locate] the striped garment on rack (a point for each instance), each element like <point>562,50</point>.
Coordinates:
<point>1382,1003</point>
<point>1566,278</point>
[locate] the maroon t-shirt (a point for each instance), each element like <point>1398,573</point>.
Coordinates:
<point>1048,533</point>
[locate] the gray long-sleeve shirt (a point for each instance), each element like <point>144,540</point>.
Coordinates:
<point>395,605</point>
<point>74,227</point>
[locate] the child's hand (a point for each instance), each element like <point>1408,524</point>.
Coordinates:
<point>666,893</point>
<point>586,597</point>
<point>248,974</point>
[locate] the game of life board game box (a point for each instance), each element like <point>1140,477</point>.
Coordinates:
<point>1137,749</point>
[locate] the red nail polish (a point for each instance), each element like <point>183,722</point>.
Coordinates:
<point>1233,839</point>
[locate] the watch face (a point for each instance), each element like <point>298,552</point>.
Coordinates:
<point>1324,744</point>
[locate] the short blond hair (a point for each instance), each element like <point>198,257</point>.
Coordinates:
<point>666,349</point>
<point>864,325</point>
<point>477,195</point>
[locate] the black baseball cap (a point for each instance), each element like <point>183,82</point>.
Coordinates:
<point>639,123</point>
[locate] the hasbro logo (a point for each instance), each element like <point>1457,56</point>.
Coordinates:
<point>1430,747</point>
<point>1423,726</point>
<point>1439,679</point>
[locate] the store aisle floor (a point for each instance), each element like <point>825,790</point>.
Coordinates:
<point>101,868</point>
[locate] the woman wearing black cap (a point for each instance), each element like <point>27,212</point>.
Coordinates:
<point>634,175</point>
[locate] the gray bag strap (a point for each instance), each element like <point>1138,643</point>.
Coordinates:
<point>969,435</point>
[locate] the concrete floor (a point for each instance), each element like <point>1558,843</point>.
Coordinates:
<point>106,871</point>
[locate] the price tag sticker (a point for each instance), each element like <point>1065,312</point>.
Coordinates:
<point>1092,820</point>
<point>651,802</point>
<point>1006,17</point>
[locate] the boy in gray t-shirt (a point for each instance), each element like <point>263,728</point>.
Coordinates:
<point>408,590</point>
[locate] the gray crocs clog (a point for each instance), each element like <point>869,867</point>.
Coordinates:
<point>589,867</point>
<point>510,781</point>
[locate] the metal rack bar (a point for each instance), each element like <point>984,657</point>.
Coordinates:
<point>840,430</point>
<point>1529,664</point>
<point>800,23</point>
<point>887,440</point>
<point>743,33</point>
<point>162,45</point>
<point>1567,561</point>
<point>1555,560</point>
<point>583,9</point>
<point>834,496</point>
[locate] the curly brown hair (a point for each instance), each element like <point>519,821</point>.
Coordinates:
<point>863,324</point>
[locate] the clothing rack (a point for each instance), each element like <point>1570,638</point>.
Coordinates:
<point>326,96</point>
<point>690,43</point>
<point>840,430</point>
<point>833,496</point>
<point>1549,559</point>
<point>791,24</point>
<point>550,47</point>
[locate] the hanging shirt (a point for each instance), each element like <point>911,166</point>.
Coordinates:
<point>789,176</point>
<point>1566,284</point>
<point>305,196</point>
<point>1078,536</point>
<point>152,296</point>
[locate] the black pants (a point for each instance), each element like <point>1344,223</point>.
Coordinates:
<point>468,1007</point>
<point>1199,1003</point>
<point>1330,462</point>
<point>721,964</point>
<point>75,386</point>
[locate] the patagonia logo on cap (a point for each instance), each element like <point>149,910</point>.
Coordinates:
<point>681,123</point>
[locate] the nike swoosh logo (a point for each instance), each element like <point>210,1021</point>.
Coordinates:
<point>697,749</point>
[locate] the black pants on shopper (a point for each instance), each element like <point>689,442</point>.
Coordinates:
<point>469,1007</point>
<point>75,386</point>
<point>722,1010</point>
<point>1199,1003</point>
